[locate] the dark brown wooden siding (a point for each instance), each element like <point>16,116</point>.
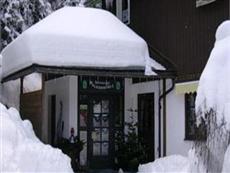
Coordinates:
<point>31,109</point>
<point>182,32</point>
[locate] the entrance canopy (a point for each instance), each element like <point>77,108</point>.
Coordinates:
<point>75,40</point>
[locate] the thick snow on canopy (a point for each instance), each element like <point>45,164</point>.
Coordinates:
<point>22,151</point>
<point>79,37</point>
<point>214,85</point>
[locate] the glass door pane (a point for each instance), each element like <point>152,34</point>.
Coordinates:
<point>96,149</point>
<point>105,106</point>
<point>96,107</point>
<point>105,120</point>
<point>96,120</point>
<point>105,134</point>
<point>105,148</point>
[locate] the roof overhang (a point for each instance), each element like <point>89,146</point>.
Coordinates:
<point>87,71</point>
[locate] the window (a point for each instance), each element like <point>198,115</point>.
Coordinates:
<point>120,8</point>
<point>192,131</point>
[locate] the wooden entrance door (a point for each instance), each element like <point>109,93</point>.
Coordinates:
<point>146,122</point>
<point>101,132</point>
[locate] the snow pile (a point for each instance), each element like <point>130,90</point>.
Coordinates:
<point>21,150</point>
<point>214,85</point>
<point>226,165</point>
<point>174,163</point>
<point>79,37</point>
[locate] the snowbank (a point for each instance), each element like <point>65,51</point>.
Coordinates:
<point>174,163</point>
<point>22,151</point>
<point>214,85</point>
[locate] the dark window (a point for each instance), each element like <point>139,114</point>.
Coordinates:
<point>192,130</point>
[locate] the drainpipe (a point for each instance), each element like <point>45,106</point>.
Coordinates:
<point>164,94</point>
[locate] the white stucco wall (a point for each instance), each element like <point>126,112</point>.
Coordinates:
<point>131,101</point>
<point>65,89</point>
<point>175,110</point>
<point>176,125</point>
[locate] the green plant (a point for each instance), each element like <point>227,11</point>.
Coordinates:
<point>72,150</point>
<point>130,149</point>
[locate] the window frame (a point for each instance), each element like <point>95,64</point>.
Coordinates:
<point>198,136</point>
<point>187,114</point>
<point>119,11</point>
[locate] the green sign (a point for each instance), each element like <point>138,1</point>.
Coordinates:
<point>101,84</point>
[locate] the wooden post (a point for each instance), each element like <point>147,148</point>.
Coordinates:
<point>21,93</point>
<point>43,106</point>
<point>21,85</point>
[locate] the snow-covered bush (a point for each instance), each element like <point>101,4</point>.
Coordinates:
<point>22,151</point>
<point>16,16</point>
<point>213,102</point>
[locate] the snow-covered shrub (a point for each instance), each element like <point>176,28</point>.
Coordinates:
<point>16,16</point>
<point>22,151</point>
<point>211,153</point>
<point>56,4</point>
<point>212,102</point>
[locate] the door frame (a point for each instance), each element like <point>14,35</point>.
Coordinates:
<point>52,118</point>
<point>111,133</point>
<point>140,97</point>
<point>104,93</point>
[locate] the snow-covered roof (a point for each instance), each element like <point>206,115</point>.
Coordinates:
<point>79,37</point>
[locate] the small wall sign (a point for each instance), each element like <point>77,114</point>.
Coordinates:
<point>94,83</point>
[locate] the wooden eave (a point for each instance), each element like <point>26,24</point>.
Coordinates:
<point>88,71</point>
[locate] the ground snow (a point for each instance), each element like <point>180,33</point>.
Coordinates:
<point>22,151</point>
<point>174,163</point>
<point>214,86</point>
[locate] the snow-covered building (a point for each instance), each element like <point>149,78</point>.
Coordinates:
<point>79,77</point>
<point>97,74</point>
